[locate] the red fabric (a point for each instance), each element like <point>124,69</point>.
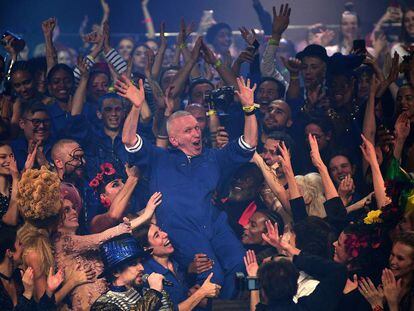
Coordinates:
<point>248,212</point>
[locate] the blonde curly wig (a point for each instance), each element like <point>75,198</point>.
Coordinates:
<point>38,194</point>
<point>313,194</point>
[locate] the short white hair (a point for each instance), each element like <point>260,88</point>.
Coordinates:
<point>176,115</point>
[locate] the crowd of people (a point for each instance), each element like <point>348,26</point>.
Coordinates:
<point>160,175</point>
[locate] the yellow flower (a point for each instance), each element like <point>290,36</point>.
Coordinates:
<point>373,217</point>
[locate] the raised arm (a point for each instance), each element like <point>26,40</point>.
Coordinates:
<point>80,93</point>
<point>136,96</point>
<point>51,56</point>
<point>370,156</point>
<point>149,25</point>
<point>328,185</point>
<point>225,73</point>
<point>119,205</point>
<point>105,12</point>
<point>183,74</point>
<point>159,57</point>
<point>402,130</point>
<point>12,215</point>
<point>246,97</point>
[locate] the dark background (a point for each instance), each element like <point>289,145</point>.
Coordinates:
<point>25,16</point>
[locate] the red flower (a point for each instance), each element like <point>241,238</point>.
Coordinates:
<point>99,177</point>
<point>106,202</point>
<point>94,183</point>
<point>107,169</point>
<point>353,244</point>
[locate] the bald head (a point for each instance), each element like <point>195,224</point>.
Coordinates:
<point>62,148</point>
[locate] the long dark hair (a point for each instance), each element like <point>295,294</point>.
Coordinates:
<point>405,36</point>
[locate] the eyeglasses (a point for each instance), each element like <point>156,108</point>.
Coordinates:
<point>37,122</point>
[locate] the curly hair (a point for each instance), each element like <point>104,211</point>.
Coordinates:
<point>38,194</point>
<point>37,240</point>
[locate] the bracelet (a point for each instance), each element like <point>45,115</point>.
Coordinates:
<point>249,108</point>
<point>378,308</point>
<point>217,64</point>
<point>211,112</point>
<point>294,78</point>
<point>250,113</point>
<point>162,137</point>
<point>272,41</point>
<point>182,46</point>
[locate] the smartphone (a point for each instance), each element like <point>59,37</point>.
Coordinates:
<point>359,47</point>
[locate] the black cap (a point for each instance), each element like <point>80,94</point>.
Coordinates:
<point>314,50</point>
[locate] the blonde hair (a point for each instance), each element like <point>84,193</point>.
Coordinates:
<point>38,194</point>
<point>312,189</point>
<point>37,240</point>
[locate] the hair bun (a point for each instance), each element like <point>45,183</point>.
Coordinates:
<point>349,6</point>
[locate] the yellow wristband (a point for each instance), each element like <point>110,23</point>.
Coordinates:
<point>272,42</point>
<point>182,46</point>
<point>249,108</point>
<point>211,112</point>
<point>218,63</point>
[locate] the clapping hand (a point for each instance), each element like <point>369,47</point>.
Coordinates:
<point>374,295</point>
<point>392,287</point>
<point>402,127</point>
<point>125,88</point>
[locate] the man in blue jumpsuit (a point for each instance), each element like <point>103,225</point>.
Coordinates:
<point>187,177</point>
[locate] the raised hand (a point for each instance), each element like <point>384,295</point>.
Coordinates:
<point>209,289</point>
<point>48,26</point>
<point>293,65</point>
<point>14,171</point>
<point>28,281</point>
<point>368,150</point>
<point>125,88</point>
<point>54,280</point>
<point>93,37</point>
<point>208,54</point>
<point>83,68</point>
<point>273,238</point>
<point>185,32</point>
<point>250,262</point>
<point>245,93</point>
<point>154,201</point>
<point>105,6</point>
<point>201,263</point>
<point>169,101</point>
<point>285,158</point>
<point>31,157</point>
<point>375,296</point>
<point>150,58</point>
<point>195,53</point>
<point>281,21</point>
<point>132,171</point>
<point>106,36</point>
<point>124,227</point>
<point>402,127</point>
<point>314,153</point>
<point>246,56</point>
<point>392,287</point>
<point>346,187</point>
<point>222,137</point>
<point>163,40</point>
<point>249,37</point>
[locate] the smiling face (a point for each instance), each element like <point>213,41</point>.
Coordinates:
<point>185,134</point>
<point>341,254</point>
<point>313,71</point>
<point>112,113</point>
<point>125,48</point>
<point>252,233</point>
<point>277,116</point>
<point>69,219</point>
<point>405,101</point>
<point>339,168</point>
<point>159,242</point>
<point>5,154</point>
<point>349,26</point>
<point>401,260</point>
<point>408,22</point>
<point>36,126</point>
<point>341,90</point>
<point>60,86</point>
<point>268,92</point>
<point>23,84</point>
